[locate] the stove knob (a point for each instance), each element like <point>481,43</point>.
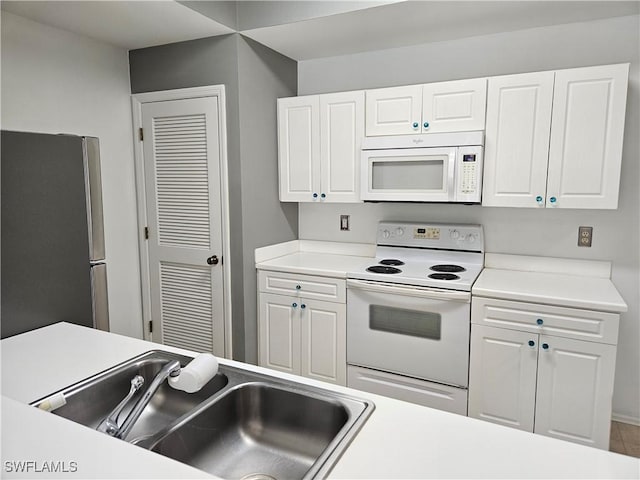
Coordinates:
<point>454,234</point>
<point>386,234</point>
<point>399,231</point>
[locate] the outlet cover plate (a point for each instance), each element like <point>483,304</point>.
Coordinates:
<point>585,236</point>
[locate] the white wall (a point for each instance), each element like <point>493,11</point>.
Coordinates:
<point>511,230</point>
<point>54,81</point>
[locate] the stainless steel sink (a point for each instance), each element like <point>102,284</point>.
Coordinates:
<point>260,431</point>
<point>241,425</point>
<point>91,400</point>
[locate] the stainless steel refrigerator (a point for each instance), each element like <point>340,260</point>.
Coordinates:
<point>52,239</point>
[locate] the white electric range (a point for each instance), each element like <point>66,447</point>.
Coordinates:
<point>409,314</point>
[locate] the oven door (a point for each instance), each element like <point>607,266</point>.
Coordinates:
<point>410,174</point>
<point>414,331</point>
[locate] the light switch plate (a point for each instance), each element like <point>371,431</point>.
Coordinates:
<point>585,235</point>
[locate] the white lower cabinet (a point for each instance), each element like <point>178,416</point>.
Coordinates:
<point>301,335</point>
<point>539,382</point>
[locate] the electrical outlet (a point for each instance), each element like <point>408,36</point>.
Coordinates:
<point>585,235</point>
<point>344,223</point>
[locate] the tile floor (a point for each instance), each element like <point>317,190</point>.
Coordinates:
<point>625,439</point>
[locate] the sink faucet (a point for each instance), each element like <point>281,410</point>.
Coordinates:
<point>110,424</point>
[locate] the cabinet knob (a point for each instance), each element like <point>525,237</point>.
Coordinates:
<point>539,321</point>
<point>553,199</point>
<point>298,287</point>
<point>532,343</point>
<point>425,124</point>
<point>303,306</point>
<point>545,346</point>
<point>322,195</point>
<point>315,195</point>
<point>539,199</point>
<point>294,305</point>
<point>213,260</point>
<point>416,124</point>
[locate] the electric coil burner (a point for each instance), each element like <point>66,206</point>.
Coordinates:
<point>383,269</point>
<point>447,268</point>
<point>444,276</point>
<point>391,261</point>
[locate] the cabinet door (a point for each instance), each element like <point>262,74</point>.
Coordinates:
<point>516,148</point>
<point>502,376</point>
<point>324,341</point>
<point>575,387</point>
<point>299,149</point>
<point>457,106</point>
<point>341,132</point>
<point>279,333</point>
<point>394,111</point>
<point>585,151</point>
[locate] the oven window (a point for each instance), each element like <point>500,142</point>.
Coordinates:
<point>405,322</point>
<point>409,174</point>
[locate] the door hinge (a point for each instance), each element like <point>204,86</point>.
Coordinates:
<point>150,326</point>
<point>146,233</point>
<point>140,134</point>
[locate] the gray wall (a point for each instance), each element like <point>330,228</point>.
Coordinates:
<point>253,79</point>
<point>264,75</point>
<point>517,231</point>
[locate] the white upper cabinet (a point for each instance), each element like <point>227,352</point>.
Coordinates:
<point>319,139</point>
<point>394,111</point>
<point>585,151</point>
<point>341,133</point>
<point>299,148</point>
<point>516,146</point>
<point>454,106</point>
<point>435,107</point>
<point>554,139</point>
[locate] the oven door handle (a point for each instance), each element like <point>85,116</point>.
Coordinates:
<point>414,291</point>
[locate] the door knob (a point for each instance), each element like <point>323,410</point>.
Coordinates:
<point>213,260</point>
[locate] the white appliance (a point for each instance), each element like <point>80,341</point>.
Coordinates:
<point>433,167</point>
<point>409,315</point>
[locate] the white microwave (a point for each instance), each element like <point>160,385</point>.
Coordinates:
<point>432,167</point>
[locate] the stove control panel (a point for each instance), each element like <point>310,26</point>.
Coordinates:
<point>433,235</point>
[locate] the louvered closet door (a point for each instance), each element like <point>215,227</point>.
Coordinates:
<point>182,180</point>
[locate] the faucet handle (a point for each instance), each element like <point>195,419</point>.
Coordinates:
<point>110,424</point>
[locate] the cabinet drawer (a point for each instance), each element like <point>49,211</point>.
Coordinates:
<point>320,288</point>
<point>574,323</point>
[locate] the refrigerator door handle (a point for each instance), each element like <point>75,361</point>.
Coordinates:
<point>99,296</point>
<point>93,189</point>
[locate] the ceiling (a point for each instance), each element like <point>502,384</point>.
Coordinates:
<point>305,30</point>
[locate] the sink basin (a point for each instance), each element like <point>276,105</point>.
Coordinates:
<point>257,431</point>
<point>241,424</point>
<point>91,400</point>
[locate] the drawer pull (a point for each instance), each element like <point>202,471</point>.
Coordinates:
<point>298,287</point>
<point>539,321</point>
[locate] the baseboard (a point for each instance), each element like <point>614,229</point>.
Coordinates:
<point>616,417</point>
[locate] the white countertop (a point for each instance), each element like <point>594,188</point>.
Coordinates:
<point>323,264</point>
<point>399,440</point>
<point>328,259</point>
<point>572,284</point>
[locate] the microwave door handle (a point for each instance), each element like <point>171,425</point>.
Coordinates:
<point>424,292</point>
<point>453,160</point>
